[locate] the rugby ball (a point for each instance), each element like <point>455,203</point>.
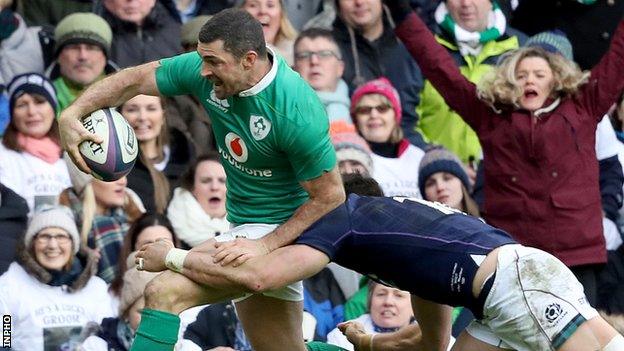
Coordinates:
<point>115,156</point>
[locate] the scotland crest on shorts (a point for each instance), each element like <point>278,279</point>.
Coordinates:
<point>259,126</point>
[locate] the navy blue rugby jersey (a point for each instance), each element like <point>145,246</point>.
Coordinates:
<point>423,247</point>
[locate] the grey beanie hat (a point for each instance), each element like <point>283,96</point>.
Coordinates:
<point>83,27</point>
<point>554,41</point>
<point>53,216</point>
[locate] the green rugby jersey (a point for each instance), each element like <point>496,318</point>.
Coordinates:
<point>270,137</point>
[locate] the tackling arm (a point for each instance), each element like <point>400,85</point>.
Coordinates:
<point>326,193</point>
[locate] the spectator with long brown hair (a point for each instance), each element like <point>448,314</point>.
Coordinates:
<point>164,153</point>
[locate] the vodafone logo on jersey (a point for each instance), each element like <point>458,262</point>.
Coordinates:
<point>236,146</point>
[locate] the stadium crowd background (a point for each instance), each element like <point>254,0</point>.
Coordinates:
<point>386,121</point>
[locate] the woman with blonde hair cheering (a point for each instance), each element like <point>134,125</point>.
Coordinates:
<point>535,115</point>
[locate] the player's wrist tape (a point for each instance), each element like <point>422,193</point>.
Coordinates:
<point>175,259</point>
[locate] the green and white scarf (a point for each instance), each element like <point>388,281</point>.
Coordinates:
<point>470,43</point>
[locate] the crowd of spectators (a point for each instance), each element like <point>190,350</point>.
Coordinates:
<point>421,124</point>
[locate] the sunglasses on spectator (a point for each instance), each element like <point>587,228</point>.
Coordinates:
<point>45,238</point>
<point>321,54</point>
<point>366,110</point>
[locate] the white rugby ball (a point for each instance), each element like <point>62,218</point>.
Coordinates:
<point>115,156</point>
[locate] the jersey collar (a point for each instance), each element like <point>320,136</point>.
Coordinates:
<point>266,80</point>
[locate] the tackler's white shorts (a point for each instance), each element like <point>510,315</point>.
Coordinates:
<point>292,292</point>
<point>536,302</point>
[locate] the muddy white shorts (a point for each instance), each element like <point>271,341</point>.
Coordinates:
<point>536,302</point>
<point>292,292</point>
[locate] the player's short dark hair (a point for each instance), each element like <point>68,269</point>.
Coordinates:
<point>239,30</point>
<point>313,33</point>
<point>358,184</point>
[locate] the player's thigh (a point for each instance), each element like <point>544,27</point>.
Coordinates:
<point>466,342</point>
<point>271,323</point>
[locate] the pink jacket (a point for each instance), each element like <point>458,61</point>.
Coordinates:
<point>541,172</point>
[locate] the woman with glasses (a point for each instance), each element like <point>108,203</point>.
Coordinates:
<point>51,291</point>
<point>376,113</point>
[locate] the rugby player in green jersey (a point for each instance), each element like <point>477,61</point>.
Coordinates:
<point>272,135</point>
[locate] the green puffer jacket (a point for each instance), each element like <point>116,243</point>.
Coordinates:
<point>441,125</point>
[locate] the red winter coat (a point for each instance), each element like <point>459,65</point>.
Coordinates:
<point>541,172</point>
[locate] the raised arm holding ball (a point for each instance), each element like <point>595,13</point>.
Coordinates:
<point>272,135</point>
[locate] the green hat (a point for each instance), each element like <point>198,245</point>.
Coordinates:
<point>190,30</point>
<point>83,27</point>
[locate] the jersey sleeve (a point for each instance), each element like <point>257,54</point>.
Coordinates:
<point>179,75</point>
<point>307,143</point>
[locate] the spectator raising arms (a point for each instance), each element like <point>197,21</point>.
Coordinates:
<point>197,209</point>
<point>164,153</point>
<point>30,154</point>
<point>476,43</point>
<point>536,116</point>
<point>51,291</point>
<point>377,113</point>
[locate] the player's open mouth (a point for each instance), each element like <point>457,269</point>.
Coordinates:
<point>214,200</point>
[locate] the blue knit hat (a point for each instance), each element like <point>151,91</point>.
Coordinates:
<point>554,41</point>
<point>31,83</point>
<point>439,159</point>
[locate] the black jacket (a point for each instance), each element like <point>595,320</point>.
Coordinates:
<point>387,57</point>
<point>158,37</point>
<point>181,156</point>
<point>13,222</point>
